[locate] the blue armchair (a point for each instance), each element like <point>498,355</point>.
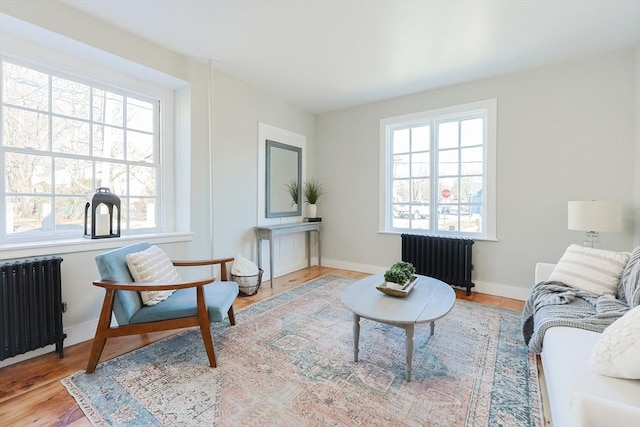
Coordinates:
<point>194,303</point>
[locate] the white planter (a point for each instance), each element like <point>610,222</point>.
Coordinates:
<point>394,285</point>
<point>313,211</point>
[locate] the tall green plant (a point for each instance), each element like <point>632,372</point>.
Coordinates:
<point>312,191</point>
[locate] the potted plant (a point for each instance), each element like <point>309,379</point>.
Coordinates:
<point>399,274</point>
<point>407,267</point>
<point>294,191</point>
<point>312,192</point>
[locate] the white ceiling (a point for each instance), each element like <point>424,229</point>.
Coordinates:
<point>325,55</point>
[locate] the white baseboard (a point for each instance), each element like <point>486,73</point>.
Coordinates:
<point>75,334</point>
<point>363,268</point>
<point>500,290</point>
<point>286,269</point>
<point>480,286</point>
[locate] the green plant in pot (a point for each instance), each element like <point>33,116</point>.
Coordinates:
<point>293,188</point>
<point>406,266</point>
<point>312,191</point>
<point>399,274</point>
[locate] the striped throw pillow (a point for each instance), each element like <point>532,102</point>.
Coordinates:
<point>152,265</point>
<point>596,271</point>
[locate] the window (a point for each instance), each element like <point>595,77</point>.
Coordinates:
<point>62,138</point>
<point>439,171</point>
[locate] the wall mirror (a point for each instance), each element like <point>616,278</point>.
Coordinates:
<point>284,169</point>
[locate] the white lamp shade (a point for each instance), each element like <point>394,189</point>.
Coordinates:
<point>595,215</point>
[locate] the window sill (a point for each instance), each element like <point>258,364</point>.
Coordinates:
<point>57,247</point>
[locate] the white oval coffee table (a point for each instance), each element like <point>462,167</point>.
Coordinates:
<point>429,300</point>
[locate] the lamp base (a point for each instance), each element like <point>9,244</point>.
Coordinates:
<point>592,239</point>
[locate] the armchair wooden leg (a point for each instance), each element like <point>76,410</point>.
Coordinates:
<point>205,327</point>
<point>232,316</point>
<point>101,331</point>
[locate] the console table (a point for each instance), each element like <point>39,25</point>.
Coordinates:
<point>269,232</point>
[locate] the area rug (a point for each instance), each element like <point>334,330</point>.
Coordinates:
<point>289,362</point>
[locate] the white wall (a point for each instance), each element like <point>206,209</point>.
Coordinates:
<point>565,132</point>
<point>237,110</point>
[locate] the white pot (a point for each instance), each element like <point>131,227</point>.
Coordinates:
<point>394,285</point>
<point>313,210</point>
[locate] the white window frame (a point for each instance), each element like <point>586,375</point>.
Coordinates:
<point>29,44</point>
<point>156,164</point>
<point>486,107</point>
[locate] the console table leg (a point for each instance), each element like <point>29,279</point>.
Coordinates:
<point>259,250</point>
<point>319,250</point>
<point>307,240</point>
<point>356,336</point>
<point>271,261</point>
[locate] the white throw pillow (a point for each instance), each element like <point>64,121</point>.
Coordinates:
<point>596,271</point>
<point>617,351</point>
<point>152,265</point>
<point>243,267</point>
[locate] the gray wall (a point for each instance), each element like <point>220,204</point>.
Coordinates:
<point>565,132</point>
<point>237,110</point>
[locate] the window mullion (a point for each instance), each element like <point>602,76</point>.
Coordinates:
<point>435,154</point>
<point>52,159</point>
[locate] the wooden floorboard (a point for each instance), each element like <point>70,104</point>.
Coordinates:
<point>31,392</point>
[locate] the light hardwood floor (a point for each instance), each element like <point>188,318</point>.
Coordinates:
<point>31,393</point>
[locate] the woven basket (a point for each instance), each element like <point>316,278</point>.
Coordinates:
<point>248,285</point>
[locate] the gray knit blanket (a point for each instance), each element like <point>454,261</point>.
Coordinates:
<point>555,304</point>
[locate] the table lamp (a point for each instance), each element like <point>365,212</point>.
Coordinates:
<point>594,216</point>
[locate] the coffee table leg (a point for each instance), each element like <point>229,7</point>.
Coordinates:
<point>433,327</point>
<point>409,333</point>
<point>356,336</point>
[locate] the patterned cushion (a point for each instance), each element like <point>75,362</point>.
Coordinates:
<point>629,290</point>
<point>152,265</point>
<point>595,271</point>
<point>616,352</point>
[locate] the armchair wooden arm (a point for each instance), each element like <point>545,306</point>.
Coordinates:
<point>221,261</point>
<point>150,286</point>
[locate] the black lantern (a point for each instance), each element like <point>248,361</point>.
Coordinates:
<point>105,215</point>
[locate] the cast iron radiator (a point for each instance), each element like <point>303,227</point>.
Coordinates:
<point>445,258</point>
<point>30,306</point>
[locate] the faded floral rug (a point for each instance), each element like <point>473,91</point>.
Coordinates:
<point>289,362</point>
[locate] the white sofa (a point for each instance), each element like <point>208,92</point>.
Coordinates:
<point>578,395</point>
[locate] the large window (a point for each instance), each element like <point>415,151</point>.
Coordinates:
<point>62,138</point>
<point>439,171</point>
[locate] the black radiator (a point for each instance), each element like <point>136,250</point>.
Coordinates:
<point>444,258</point>
<point>30,306</point>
